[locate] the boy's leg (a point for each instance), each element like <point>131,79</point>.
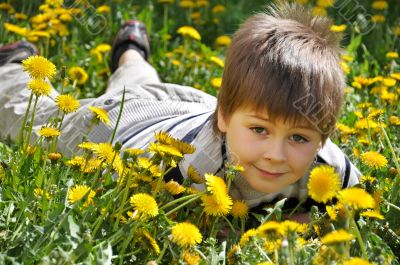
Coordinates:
<point>129,58</point>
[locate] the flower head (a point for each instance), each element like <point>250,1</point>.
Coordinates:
<point>67,103</point>
<point>357,261</point>
<point>356,198</point>
<point>374,160</point>
<point>78,74</point>
<point>239,209</point>
<point>39,87</point>
<point>186,234</point>
<point>174,187</point>
<point>100,114</point>
<point>337,236</point>
<point>194,175</point>
<point>223,41</point>
<point>323,184</point>
<point>77,192</point>
<point>245,238</point>
<point>373,214</point>
<point>216,185</point>
<point>189,32</point>
<point>145,204</point>
<point>216,206</point>
<point>39,67</point>
<point>49,132</point>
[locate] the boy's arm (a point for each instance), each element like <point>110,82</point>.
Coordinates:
<point>333,156</point>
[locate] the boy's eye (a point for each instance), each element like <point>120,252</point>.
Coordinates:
<point>298,138</point>
<point>258,130</point>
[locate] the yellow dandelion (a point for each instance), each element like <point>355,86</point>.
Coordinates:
<point>184,148</point>
<point>39,87</point>
<point>77,192</point>
<point>325,3</point>
<point>103,9</point>
<point>164,150</point>
<point>191,258</point>
<point>357,261</point>
<point>100,114</point>
<point>378,18</point>
<point>367,179</point>
<point>233,254</point>
<point>144,204</point>
<point>78,75</point>
<point>245,238</point>
<point>186,235</point>
<point>67,103</point>
<point>218,9</point>
<point>174,187</point>
<point>323,183</point>
<point>133,152</point>
<point>379,5</point>
<point>338,28</point>
<point>186,4</point>
<point>270,227</point>
<point>356,198</point>
<point>374,160</point>
<point>216,82</point>
<point>150,241</point>
<point>54,156</point>
<point>218,61</point>
<point>77,161</point>
<point>373,214</point>
<point>91,165</point>
<point>190,32</point>
<point>392,55</point>
<point>394,120</point>
<point>194,175</point>
<point>166,1</point>
<point>331,211</point>
<point>104,151</point>
<point>289,226</point>
<point>39,193</point>
<point>389,82</point>
<point>240,209</point>
<point>319,11</point>
<point>216,206</point>
<point>337,236</point>
<point>163,137</point>
<point>39,67</point>
<point>223,40</point>
<point>49,132</point>
<point>216,185</point>
<point>87,146</point>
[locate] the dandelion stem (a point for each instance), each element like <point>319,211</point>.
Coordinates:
<point>392,205</point>
<point>182,205</point>
<point>187,197</point>
<point>395,191</point>
<point>359,238</point>
<point>21,131</point>
<point>124,197</point>
<point>162,252</point>
<point>28,139</point>
<point>119,116</point>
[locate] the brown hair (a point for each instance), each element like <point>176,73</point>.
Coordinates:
<point>285,62</point>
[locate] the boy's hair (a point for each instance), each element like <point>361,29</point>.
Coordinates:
<point>285,62</point>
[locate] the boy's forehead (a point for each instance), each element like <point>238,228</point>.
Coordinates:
<point>294,122</point>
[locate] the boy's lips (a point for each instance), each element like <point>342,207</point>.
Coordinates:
<point>268,174</point>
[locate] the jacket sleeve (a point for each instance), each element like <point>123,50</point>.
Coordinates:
<point>333,156</point>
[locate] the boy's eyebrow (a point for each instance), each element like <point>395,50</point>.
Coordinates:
<point>267,120</point>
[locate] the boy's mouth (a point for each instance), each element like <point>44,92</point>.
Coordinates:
<point>267,174</point>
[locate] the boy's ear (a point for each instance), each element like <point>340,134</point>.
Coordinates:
<point>221,121</point>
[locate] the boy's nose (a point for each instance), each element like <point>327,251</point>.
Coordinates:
<point>275,151</point>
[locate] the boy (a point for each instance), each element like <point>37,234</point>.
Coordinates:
<point>280,97</point>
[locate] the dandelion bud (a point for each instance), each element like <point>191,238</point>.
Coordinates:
<point>117,146</point>
<point>393,171</point>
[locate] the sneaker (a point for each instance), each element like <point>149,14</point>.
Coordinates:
<point>132,35</point>
<point>16,52</point>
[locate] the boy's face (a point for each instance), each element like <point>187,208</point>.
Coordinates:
<point>274,155</point>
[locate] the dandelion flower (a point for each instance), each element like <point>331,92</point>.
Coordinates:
<point>78,74</point>
<point>174,187</point>
<point>39,87</point>
<point>87,146</point>
<point>215,184</point>
<point>194,175</point>
<point>77,161</point>
<point>338,28</point>
<point>166,1</point>
<point>245,238</point>
<point>289,226</point>
<point>216,206</point>
<point>39,193</point>
<point>150,241</point>
<point>374,160</point>
<point>67,103</point>
<point>223,40</point>
<point>145,204</point>
<point>357,261</point>
<point>189,32</point>
<point>101,114</point>
<point>164,150</point>
<point>191,258</point>
<point>373,214</point>
<point>240,209</point>
<point>186,234</point>
<point>184,148</point>
<point>133,152</point>
<point>103,9</point>
<point>270,226</point>
<point>218,9</point>
<point>77,192</point>
<point>356,198</point>
<point>49,132</point>
<point>379,5</point>
<point>337,236</point>
<point>331,210</point>
<point>39,67</point>
<point>54,156</point>
<point>216,82</point>
<point>323,183</point>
